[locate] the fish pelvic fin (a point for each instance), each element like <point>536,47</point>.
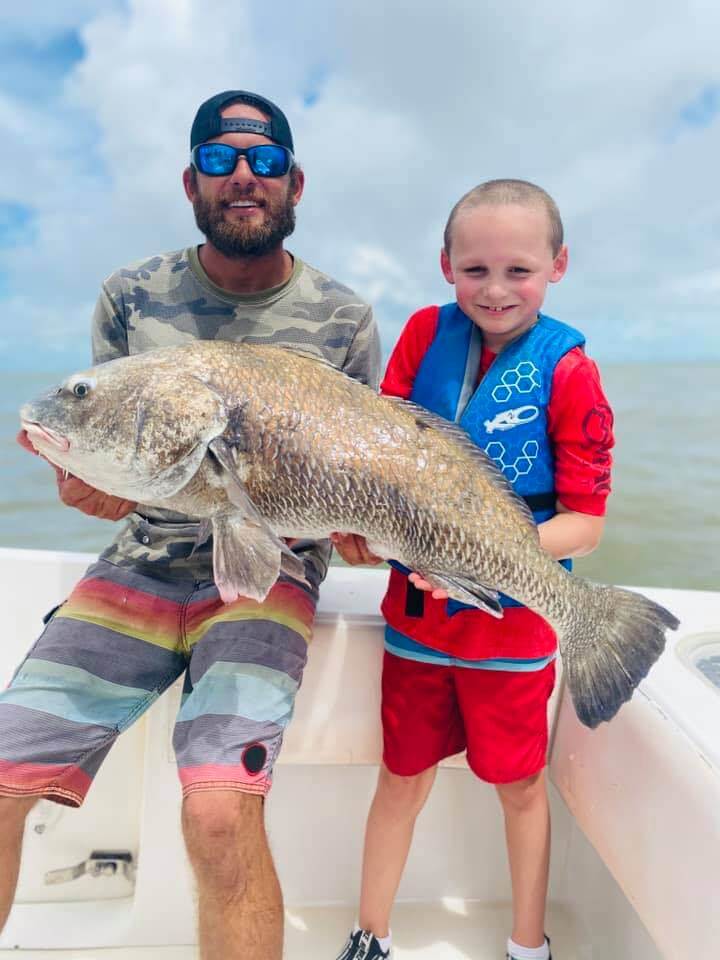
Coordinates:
<point>246,561</point>
<point>467,591</point>
<point>610,647</point>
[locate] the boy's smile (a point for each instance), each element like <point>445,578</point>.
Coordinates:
<point>501,262</point>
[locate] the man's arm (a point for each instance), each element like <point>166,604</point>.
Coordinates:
<point>362,361</point>
<point>109,340</point>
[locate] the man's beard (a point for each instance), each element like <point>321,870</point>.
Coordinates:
<point>242,238</point>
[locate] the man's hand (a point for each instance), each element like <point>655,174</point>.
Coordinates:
<point>354,549</point>
<point>76,493</point>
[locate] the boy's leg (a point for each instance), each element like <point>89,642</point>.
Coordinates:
<point>13,811</point>
<point>246,665</point>
<point>527,831</point>
<point>505,714</point>
<point>388,834</point>
<point>421,726</point>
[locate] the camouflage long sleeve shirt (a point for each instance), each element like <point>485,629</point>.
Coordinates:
<point>169,300</point>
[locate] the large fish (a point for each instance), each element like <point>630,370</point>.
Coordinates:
<point>263,443</point>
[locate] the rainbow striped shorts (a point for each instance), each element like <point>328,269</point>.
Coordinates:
<point>121,639</point>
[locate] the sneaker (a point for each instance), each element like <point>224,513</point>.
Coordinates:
<point>509,957</point>
<point>363,945</point>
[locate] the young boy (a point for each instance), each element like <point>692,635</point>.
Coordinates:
<point>454,678</point>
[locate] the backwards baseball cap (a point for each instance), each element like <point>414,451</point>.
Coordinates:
<point>208,123</point>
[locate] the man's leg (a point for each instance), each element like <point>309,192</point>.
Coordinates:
<point>527,830</point>
<point>240,902</point>
<point>13,812</point>
<point>246,665</point>
<point>388,835</point>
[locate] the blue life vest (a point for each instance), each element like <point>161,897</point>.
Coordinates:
<point>506,413</point>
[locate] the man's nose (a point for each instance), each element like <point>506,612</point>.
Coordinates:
<point>242,174</point>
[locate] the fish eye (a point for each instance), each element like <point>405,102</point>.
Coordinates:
<point>81,388</point>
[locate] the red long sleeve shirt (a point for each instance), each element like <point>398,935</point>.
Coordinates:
<point>580,428</point>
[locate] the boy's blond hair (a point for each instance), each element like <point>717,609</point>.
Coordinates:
<point>501,192</point>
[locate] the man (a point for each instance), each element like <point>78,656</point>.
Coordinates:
<point>161,613</point>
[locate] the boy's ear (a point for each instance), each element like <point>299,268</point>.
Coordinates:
<point>560,265</point>
<point>445,266</point>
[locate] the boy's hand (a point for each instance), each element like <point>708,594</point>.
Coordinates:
<point>417,581</point>
<point>76,493</point>
<point>354,549</point>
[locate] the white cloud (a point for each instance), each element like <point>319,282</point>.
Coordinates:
<point>412,104</point>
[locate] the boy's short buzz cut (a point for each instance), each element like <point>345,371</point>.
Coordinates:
<point>501,192</point>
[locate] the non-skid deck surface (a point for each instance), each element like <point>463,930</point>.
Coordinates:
<point>454,930</point>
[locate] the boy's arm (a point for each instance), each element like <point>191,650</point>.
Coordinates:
<point>570,534</point>
<point>567,534</point>
<point>580,425</point>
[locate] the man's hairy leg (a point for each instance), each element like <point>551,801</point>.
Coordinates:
<point>13,811</point>
<point>240,902</point>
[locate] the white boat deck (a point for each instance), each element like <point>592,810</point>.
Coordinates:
<point>456,930</point>
<point>632,802</point>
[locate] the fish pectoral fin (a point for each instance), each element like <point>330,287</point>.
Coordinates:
<point>467,591</point>
<point>248,518</point>
<point>238,495</point>
<point>246,561</point>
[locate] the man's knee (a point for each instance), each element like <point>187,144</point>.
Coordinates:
<point>224,834</point>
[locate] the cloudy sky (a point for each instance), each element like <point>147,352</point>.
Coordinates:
<point>397,108</point>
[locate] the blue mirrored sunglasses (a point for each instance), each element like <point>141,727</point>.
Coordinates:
<point>220,159</point>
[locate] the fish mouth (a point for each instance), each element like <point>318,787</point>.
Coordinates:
<point>44,435</point>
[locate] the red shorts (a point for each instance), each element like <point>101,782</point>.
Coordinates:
<point>430,712</point>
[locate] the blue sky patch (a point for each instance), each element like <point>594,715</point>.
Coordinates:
<point>703,110</point>
<point>28,68</point>
<point>313,86</point>
<point>16,224</point>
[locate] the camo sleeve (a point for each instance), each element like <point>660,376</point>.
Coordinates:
<point>109,329</point>
<point>363,356</point>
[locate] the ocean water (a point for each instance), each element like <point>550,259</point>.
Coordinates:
<point>663,526</point>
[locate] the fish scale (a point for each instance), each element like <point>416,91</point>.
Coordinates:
<point>264,443</point>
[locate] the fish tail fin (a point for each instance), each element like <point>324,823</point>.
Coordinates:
<point>609,646</point>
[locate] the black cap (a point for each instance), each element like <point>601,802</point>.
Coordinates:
<point>208,123</point>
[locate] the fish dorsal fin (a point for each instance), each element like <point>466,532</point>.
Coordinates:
<point>427,420</point>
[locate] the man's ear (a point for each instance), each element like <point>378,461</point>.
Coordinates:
<point>189,183</point>
<point>446,267</point>
<point>299,185</point>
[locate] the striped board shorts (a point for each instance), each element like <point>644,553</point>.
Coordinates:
<point>120,640</point>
